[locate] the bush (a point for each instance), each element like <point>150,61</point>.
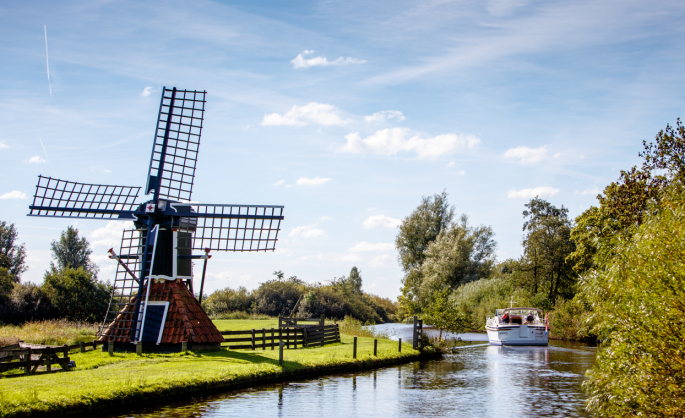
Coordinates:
<point>76,295</point>
<point>226,301</point>
<point>26,302</point>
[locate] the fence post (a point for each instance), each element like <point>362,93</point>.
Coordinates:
<point>280,335</point>
<point>28,361</point>
<point>263,339</point>
<point>287,337</point>
<point>306,338</point>
<point>375,348</point>
<point>280,353</point>
<point>82,347</point>
<point>110,348</point>
<point>253,339</point>
<point>139,347</point>
<point>95,344</point>
<point>354,348</point>
<point>337,332</point>
<point>399,346</point>
<point>414,339</point>
<point>322,320</point>
<point>272,339</point>
<point>48,360</point>
<point>280,322</point>
<point>184,346</point>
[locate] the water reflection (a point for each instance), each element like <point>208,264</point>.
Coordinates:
<point>480,381</point>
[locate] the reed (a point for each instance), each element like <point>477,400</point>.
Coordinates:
<point>51,332</point>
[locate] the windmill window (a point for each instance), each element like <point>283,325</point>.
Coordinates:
<point>155,317</point>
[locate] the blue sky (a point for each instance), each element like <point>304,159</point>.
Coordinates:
<point>346,113</point>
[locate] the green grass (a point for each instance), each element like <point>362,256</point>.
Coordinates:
<point>245,324</point>
<point>101,381</point>
<point>54,332</point>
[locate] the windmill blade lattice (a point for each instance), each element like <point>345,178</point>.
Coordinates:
<point>237,228</point>
<point>177,142</point>
<point>68,199</point>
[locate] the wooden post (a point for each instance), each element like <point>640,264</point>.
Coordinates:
<point>280,322</point>
<point>184,346</point>
<point>280,335</point>
<point>272,339</point>
<point>95,344</point>
<point>414,338</point>
<point>399,346</point>
<point>263,339</point>
<point>280,353</point>
<point>27,370</point>
<point>354,348</point>
<point>306,337</point>
<point>110,348</point>
<point>287,337</point>
<point>139,347</point>
<point>82,347</point>
<point>375,348</point>
<point>322,321</point>
<point>253,338</point>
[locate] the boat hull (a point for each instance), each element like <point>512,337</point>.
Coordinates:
<point>518,335</point>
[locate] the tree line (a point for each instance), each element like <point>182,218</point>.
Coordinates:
<point>70,286</point>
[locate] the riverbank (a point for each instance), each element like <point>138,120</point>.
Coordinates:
<point>101,384</point>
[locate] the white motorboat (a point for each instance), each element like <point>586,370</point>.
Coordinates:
<point>518,326</point>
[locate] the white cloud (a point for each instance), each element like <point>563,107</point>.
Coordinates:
<point>316,181</point>
<point>3,145</point>
<point>450,164</point>
<point>375,221</point>
<point>557,155</point>
<point>381,260</point>
<point>146,91</point>
<point>368,247</point>
<point>279,182</point>
<point>36,159</point>
<point>392,141</point>
<point>306,232</point>
<point>527,155</point>
<point>326,218</point>
<point>109,236</point>
<point>594,191</point>
<point>317,113</point>
<point>301,62</point>
<point>350,258</point>
<point>461,172</point>
<point>14,194</point>
<point>384,115</point>
<point>544,191</point>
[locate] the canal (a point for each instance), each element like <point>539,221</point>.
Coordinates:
<point>476,380</point>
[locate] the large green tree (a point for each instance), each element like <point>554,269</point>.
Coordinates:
<point>12,255</point>
<point>76,294</point>
<point>546,245</point>
<point>72,251</point>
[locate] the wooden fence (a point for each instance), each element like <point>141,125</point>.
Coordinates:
<point>30,358</point>
<point>269,338</point>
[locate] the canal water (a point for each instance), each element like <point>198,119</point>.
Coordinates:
<point>477,380</point>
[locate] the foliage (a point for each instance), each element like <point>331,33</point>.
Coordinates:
<point>546,245</point>
<point>570,320</point>
<point>25,302</point>
<point>76,294</point>
<point>443,314</point>
<point>73,252</point>
<point>51,332</point>
<point>637,297</point>
<point>225,301</point>
<point>12,255</point>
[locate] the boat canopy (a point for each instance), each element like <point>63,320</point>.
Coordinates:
<point>519,311</point>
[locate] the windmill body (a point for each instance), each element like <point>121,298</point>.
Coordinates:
<point>152,300</point>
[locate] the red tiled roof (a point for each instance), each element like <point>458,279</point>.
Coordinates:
<point>185,320</point>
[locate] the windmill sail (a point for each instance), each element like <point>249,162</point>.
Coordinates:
<point>177,141</point>
<point>67,199</point>
<point>237,228</point>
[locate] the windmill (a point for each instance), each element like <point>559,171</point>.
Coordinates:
<point>152,300</point>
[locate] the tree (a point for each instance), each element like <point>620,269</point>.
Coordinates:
<point>76,294</point>
<point>72,252</point>
<point>546,245</point>
<point>355,280</point>
<point>637,298</point>
<point>12,255</point>
<point>443,314</point>
<point>421,228</point>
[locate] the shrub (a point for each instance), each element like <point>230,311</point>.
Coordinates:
<point>76,295</point>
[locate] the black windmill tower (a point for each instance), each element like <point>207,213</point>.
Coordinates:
<point>152,300</point>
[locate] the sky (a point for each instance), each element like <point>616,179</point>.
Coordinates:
<point>347,113</point>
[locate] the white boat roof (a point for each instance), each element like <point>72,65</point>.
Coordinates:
<point>523,309</point>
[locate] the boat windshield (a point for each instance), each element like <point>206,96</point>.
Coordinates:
<point>499,312</point>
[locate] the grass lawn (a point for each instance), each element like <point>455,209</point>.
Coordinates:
<point>100,381</point>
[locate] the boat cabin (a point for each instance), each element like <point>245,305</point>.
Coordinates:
<point>519,316</point>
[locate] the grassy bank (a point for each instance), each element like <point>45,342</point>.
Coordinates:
<point>101,382</point>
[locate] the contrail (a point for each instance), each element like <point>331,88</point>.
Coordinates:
<point>46,156</point>
<point>47,62</point>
